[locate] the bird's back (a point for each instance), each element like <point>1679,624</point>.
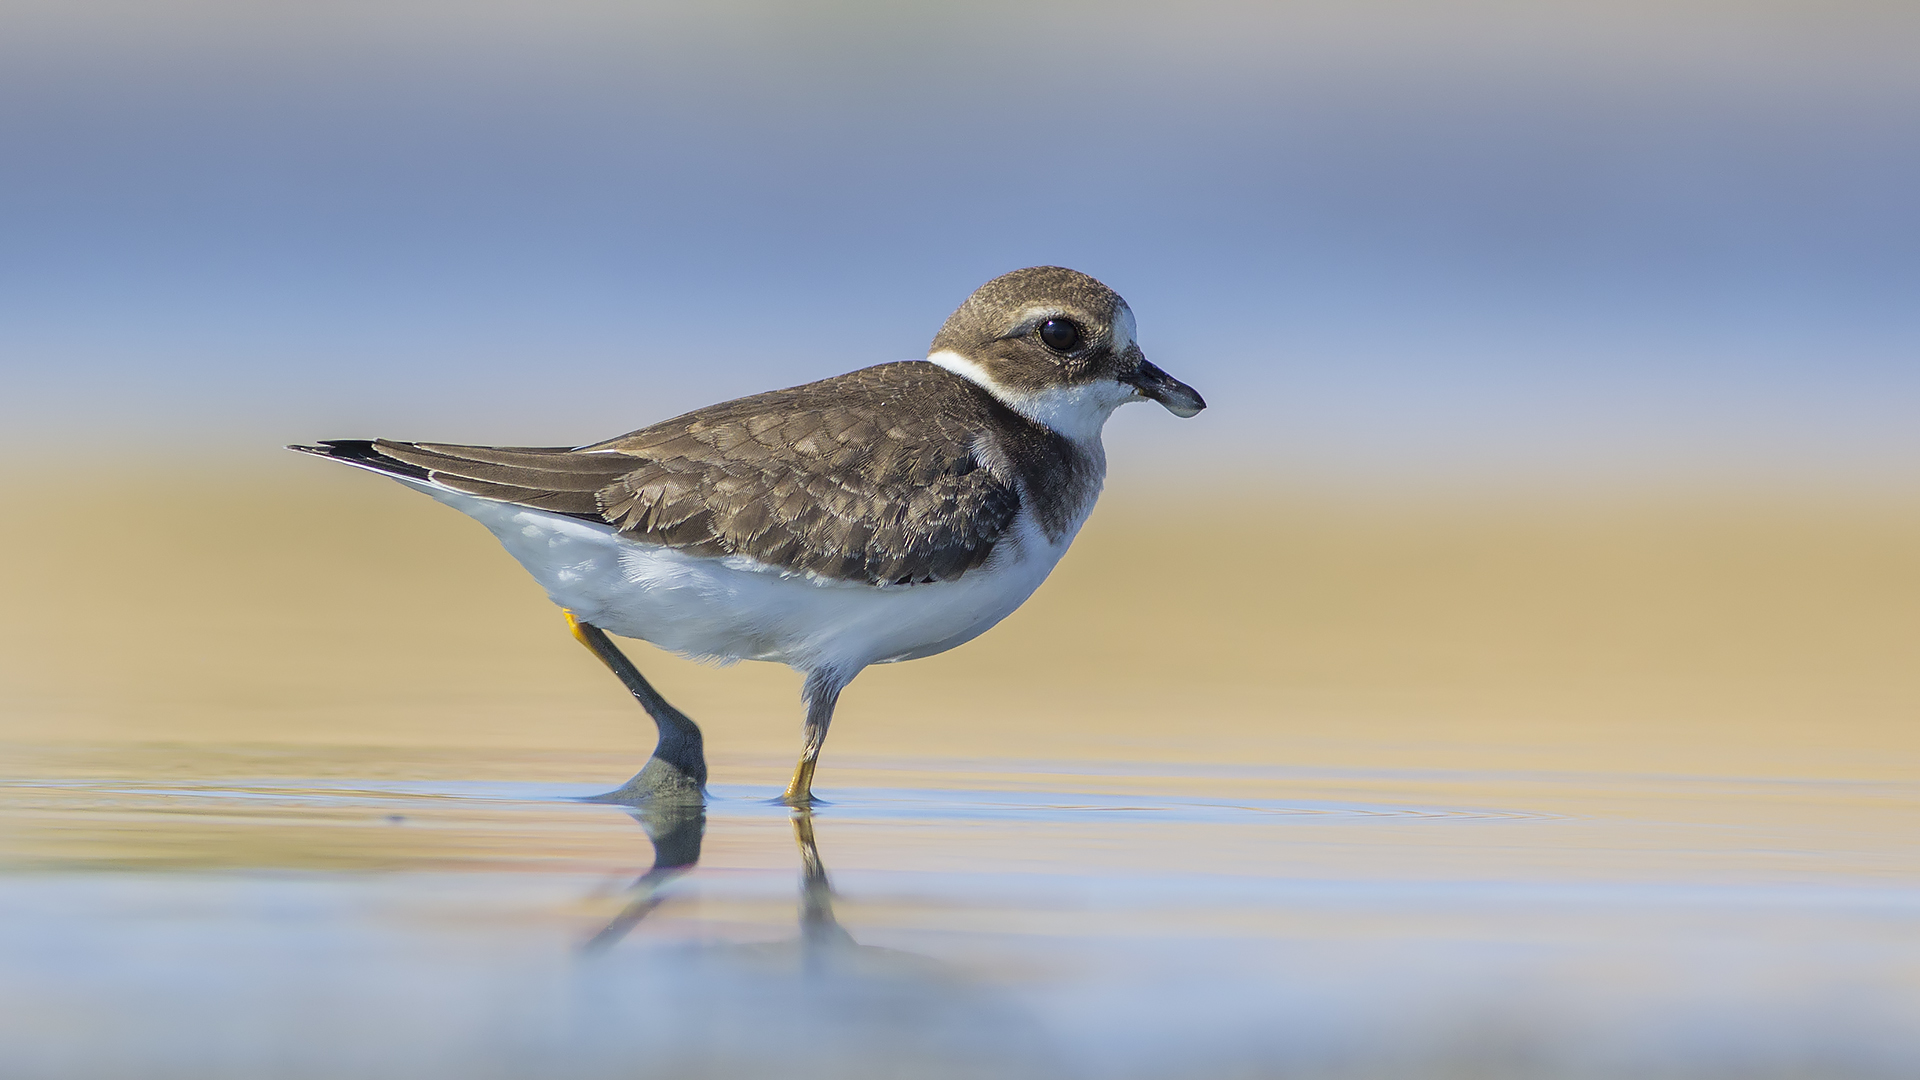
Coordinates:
<point>893,475</point>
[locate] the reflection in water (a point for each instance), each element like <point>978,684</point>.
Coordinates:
<point>675,829</point>
<point>820,1004</point>
<point>1670,927</point>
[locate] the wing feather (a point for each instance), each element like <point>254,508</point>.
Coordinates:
<point>832,478</point>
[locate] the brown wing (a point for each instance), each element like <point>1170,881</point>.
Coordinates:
<point>871,476</point>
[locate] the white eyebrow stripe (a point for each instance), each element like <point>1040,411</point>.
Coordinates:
<point>1038,313</point>
<point>1123,328</point>
<point>1029,318</point>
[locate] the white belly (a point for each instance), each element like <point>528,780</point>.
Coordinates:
<point>738,609</point>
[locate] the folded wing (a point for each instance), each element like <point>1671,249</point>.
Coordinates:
<point>827,478</point>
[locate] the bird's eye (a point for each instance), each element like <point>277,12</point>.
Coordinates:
<point>1059,335</point>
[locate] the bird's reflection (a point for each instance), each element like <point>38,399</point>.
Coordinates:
<point>740,1009</point>
<point>675,829</point>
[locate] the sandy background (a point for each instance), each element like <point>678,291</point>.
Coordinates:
<point>297,607</point>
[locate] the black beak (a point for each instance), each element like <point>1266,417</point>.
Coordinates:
<point>1179,398</point>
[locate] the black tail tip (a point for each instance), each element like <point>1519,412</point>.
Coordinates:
<point>358,449</point>
<point>364,453</point>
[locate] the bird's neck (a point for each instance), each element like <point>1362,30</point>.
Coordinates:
<point>1077,412</point>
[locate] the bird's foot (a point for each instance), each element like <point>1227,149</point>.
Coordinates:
<point>657,783</point>
<point>799,793</point>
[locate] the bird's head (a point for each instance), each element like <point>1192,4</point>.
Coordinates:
<point>1057,347</point>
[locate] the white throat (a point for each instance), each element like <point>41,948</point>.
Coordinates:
<point>1077,412</point>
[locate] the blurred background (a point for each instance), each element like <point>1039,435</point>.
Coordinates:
<point>1390,240</point>
<point>1554,712</point>
<point>1579,332</point>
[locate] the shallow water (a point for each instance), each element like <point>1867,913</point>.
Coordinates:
<point>1058,921</point>
<point>1467,790</point>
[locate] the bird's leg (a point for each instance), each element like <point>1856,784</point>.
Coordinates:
<point>822,692</point>
<point>677,769</point>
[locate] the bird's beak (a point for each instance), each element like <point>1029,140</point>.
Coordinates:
<point>1179,398</point>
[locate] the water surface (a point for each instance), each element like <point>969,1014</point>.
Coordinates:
<point>1057,921</point>
<point>1463,790</point>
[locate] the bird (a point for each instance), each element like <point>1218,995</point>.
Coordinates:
<point>887,514</point>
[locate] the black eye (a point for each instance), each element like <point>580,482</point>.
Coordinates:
<point>1059,335</point>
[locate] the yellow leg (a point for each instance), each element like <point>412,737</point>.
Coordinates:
<point>579,632</point>
<point>800,788</point>
<point>821,693</point>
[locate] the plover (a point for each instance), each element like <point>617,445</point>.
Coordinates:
<point>887,514</point>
